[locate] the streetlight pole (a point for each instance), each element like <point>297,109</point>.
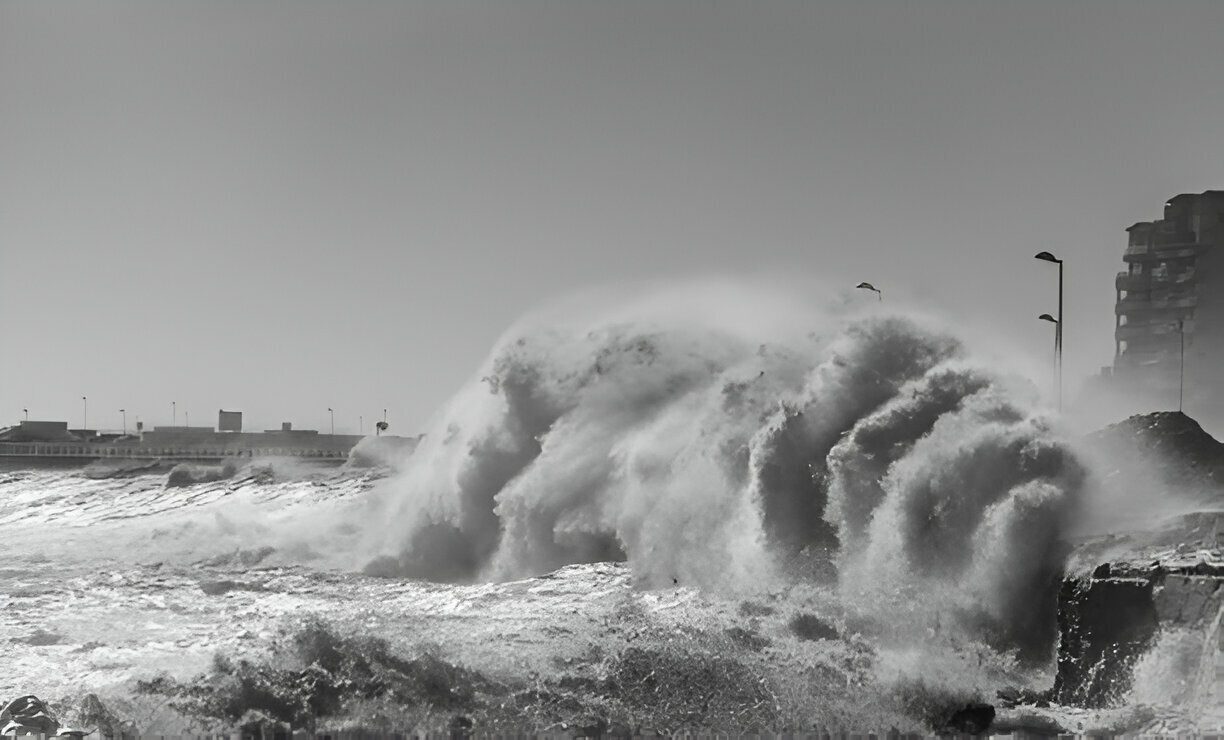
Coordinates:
<point>27,414</point>
<point>361,424</point>
<point>124,412</point>
<point>332,414</point>
<point>1058,331</point>
<point>1181,373</point>
<point>84,412</point>
<point>1054,381</point>
<point>174,413</point>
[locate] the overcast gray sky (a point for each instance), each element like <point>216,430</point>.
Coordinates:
<point>285,206</point>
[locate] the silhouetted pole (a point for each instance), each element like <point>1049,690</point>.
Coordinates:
<point>333,420</point>
<point>360,424</point>
<point>1054,379</point>
<point>186,418</point>
<point>124,412</point>
<point>84,413</point>
<point>174,413</point>
<point>1181,380</point>
<point>27,414</point>
<point>1058,332</point>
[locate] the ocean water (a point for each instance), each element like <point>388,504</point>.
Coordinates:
<point>668,473</point>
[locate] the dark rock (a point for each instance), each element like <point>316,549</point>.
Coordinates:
<point>28,715</point>
<point>812,627</point>
<point>974,719</point>
<point>93,716</point>
<point>1149,576</point>
<point>461,726</point>
<point>1013,697</point>
<point>217,588</point>
<point>1168,441</point>
<point>1105,626</point>
<point>1028,724</point>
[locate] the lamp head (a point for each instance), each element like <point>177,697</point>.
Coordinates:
<point>1046,257</point>
<point>1048,317</point>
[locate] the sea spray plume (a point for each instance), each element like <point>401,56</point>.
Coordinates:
<point>968,523</point>
<point>607,462</point>
<point>861,459</point>
<point>637,424</point>
<point>490,433</point>
<point>592,394</point>
<point>692,451</point>
<point>865,368</point>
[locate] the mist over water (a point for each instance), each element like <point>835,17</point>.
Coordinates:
<point>863,449</point>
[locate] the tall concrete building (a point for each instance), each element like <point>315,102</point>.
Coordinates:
<point>1170,307</point>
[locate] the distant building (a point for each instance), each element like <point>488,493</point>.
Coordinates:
<point>38,431</point>
<point>1173,291</point>
<point>229,421</point>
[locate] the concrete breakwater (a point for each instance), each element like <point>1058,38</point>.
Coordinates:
<point>213,448</point>
<point>322,449</point>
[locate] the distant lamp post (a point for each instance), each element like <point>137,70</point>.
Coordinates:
<point>333,420</point>
<point>869,286</point>
<point>1059,325</point>
<point>84,412</point>
<point>27,414</point>
<point>1055,384</point>
<point>1181,372</point>
<point>174,413</point>
<point>124,412</point>
<point>186,418</point>
<point>360,424</point>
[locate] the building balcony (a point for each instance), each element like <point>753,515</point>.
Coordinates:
<point>1149,280</point>
<point>1159,252</point>
<point>1142,305</point>
<point>1127,281</point>
<point>1149,333</point>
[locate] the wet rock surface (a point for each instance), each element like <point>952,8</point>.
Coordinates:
<point>1127,591</point>
<point>1106,624</point>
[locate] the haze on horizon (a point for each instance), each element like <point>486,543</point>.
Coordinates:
<point>281,207</point>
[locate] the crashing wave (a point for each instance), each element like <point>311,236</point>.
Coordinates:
<point>878,451</point>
